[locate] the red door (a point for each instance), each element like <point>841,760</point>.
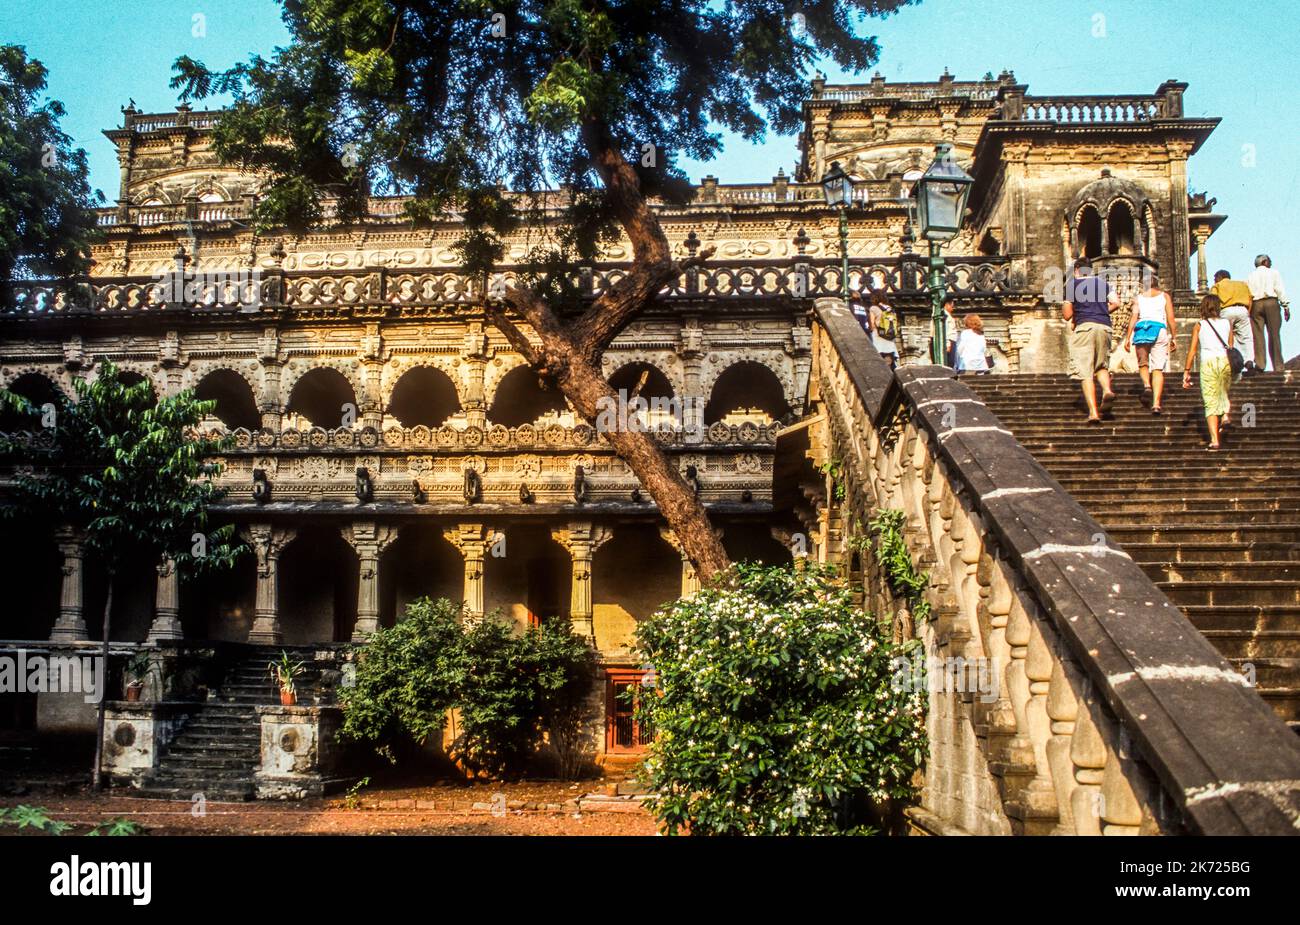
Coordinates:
<point>623,693</point>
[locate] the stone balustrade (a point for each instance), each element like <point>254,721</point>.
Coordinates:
<point>1106,712</point>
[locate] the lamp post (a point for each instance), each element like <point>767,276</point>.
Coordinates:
<point>941,195</point>
<point>838,188</point>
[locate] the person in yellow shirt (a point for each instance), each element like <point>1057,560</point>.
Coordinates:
<point>1234,295</point>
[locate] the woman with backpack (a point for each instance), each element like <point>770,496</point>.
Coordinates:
<point>1213,335</point>
<point>884,328</point>
<point>1150,329</point>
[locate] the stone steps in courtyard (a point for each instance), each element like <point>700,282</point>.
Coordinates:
<point>1219,533</point>
<point>219,748</point>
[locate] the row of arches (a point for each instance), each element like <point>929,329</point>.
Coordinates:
<point>318,579</point>
<point>426,395</point>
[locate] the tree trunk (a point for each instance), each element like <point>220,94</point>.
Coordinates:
<point>97,778</point>
<point>569,354</point>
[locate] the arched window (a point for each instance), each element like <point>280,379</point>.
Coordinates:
<point>1089,232</point>
<point>643,381</point>
<point>321,398</point>
<point>747,391</point>
<point>1121,229</point>
<point>423,395</point>
<point>236,406</point>
<point>521,399</point>
<point>39,391</point>
<point>212,197</point>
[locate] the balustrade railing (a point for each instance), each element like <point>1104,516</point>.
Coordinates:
<point>255,290</point>
<point>1105,711</point>
<point>1093,109</point>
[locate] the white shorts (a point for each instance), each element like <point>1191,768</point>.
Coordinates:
<point>1158,359</point>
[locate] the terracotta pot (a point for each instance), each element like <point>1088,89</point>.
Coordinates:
<point>288,698</point>
<point>133,693</point>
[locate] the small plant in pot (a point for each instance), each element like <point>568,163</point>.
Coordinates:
<point>283,671</point>
<point>138,668</point>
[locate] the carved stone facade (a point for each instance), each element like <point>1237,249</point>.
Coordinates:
<point>387,441</point>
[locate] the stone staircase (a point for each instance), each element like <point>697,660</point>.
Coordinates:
<point>1219,532</point>
<point>219,748</point>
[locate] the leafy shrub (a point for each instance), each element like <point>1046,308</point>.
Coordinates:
<point>509,688</point>
<point>775,711</point>
<point>407,677</point>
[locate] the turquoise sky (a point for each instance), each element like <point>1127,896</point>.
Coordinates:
<point>1240,59</point>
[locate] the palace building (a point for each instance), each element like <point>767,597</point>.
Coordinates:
<point>387,443</point>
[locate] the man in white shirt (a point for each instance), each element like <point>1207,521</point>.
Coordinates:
<point>1268,302</point>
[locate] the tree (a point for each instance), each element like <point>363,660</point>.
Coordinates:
<point>124,471</point>
<point>476,108</point>
<point>46,217</point>
<point>779,708</point>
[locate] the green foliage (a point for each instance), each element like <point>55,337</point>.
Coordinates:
<point>140,666</point>
<point>407,677</point>
<point>509,688</point>
<point>352,799</point>
<point>33,817</point>
<point>776,712</point>
<point>46,217</point>
<point>892,554</point>
<point>124,469</point>
<point>520,686</point>
<point>427,98</point>
<point>117,827</point>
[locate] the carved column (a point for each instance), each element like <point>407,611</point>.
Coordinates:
<point>690,579</point>
<point>1181,249</point>
<point>70,625</point>
<point>1202,271</point>
<point>691,348</point>
<point>166,622</point>
<point>582,539</point>
<point>474,354</point>
<point>471,540</point>
<point>370,541</point>
<point>372,370</point>
<point>267,542</point>
<point>269,353</point>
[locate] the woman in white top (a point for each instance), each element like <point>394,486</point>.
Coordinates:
<point>972,347</point>
<point>1150,329</point>
<point>1214,336</point>
<point>884,328</point>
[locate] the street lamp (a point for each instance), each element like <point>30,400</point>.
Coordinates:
<point>838,189</point>
<point>941,195</point>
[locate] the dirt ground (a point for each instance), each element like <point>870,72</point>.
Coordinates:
<point>525,808</point>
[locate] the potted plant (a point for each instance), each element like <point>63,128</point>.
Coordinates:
<point>138,668</point>
<point>283,671</point>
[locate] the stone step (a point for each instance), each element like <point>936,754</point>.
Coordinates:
<point>1199,553</point>
<point>1223,571</point>
<point>1236,534</point>
<point>1117,515</point>
<point>1270,618</point>
<point>240,793</point>
<point>1231,593</point>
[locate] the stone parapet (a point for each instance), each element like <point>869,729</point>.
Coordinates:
<point>300,754</point>
<point>1110,713</point>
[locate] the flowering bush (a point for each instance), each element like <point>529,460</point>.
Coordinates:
<point>775,711</point>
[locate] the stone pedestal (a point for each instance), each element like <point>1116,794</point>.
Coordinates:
<point>135,735</point>
<point>299,757</point>
<point>166,622</point>
<point>71,624</point>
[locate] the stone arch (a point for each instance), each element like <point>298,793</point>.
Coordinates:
<point>423,394</point>
<point>318,579</point>
<point>612,363</point>
<point>497,369</point>
<point>618,604</point>
<point>747,384</point>
<point>776,362</point>
<point>754,543</point>
<point>520,398</point>
<point>1087,232</point>
<point>235,398</point>
<point>527,576</point>
<point>419,563</point>
<point>1122,234</point>
<point>300,367</point>
<point>320,396</point>
<point>38,389</point>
